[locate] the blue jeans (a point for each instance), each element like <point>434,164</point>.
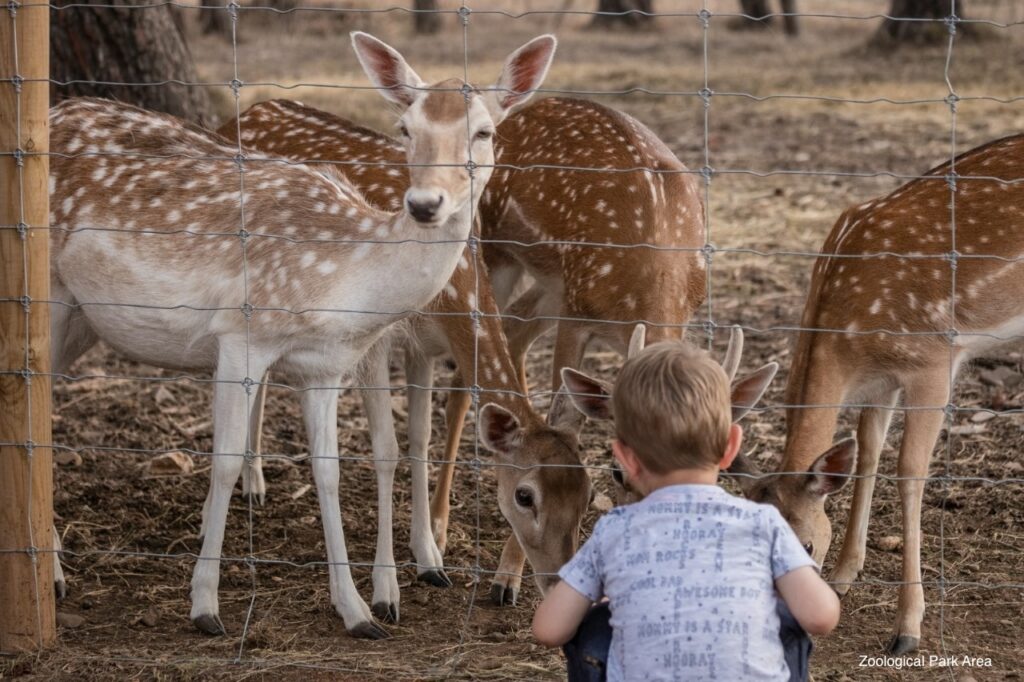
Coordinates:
<point>586,654</point>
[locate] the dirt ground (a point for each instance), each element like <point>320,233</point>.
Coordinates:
<point>131,539</point>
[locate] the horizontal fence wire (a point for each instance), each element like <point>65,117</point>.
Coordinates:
<point>708,326</point>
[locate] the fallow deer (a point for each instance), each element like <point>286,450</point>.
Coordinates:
<point>177,252</point>
<point>543,504</point>
<point>896,306</point>
<point>641,233</point>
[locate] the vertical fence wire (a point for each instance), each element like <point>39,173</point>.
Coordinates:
<point>950,407</point>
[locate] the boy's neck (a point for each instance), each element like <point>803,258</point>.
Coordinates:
<point>651,481</point>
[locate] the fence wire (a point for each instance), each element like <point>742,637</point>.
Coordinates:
<point>710,326</point>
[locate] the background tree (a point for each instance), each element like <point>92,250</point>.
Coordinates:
<point>123,45</point>
<point>633,20</point>
<point>760,11</point>
<point>894,32</point>
<point>426,20</point>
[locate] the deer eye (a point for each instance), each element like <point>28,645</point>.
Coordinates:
<point>809,548</point>
<point>403,131</point>
<point>524,497</point>
<point>484,134</point>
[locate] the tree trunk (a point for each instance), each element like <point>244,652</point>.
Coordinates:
<point>115,45</point>
<point>895,31</point>
<point>789,22</point>
<point>424,21</point>
<point>760,12</point>
<point>215,20</point>
<point>632,20</point>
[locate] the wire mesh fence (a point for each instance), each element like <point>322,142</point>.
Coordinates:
<point>471,317</point>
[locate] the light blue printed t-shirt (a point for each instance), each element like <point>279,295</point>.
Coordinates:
<point>689,574</point>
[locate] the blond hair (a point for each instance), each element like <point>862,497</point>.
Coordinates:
<point>672,407</point>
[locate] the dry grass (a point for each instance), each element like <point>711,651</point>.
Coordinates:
<point>107,503</point>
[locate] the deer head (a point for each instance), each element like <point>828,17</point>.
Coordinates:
<point>800,498</point>
<point>543,489</point>
<point>448,128</point>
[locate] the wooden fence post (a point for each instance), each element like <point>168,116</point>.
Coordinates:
<point>27,616</point>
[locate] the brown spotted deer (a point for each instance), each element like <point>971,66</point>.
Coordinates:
<point>170,255</point>
<point>536,211</point>
<point>544,505</point>
<point>881,320</point>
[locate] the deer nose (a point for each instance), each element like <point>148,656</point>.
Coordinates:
<point>424,206</point>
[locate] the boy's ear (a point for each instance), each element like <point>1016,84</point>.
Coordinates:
<point>387,69</point>
<point>499,429</point>
<point>833,468</point>
<point>732,447</point>
<point>592,397</point>
<point>746,392</point>
<point>524,71</point>
<point>628,461</point>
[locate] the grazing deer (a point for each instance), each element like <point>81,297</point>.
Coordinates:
<point>882,319</point>
<point>543,505</point>
<point>149,257</point>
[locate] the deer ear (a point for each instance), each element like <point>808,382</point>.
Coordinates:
<point>746,392</point>
<point>563,413</point>
<point>747,472</point>
<point>637,340</point>
<point>833,469</point>
<point>499,429</point>
<point>733,353</point>
<point>386,68</point>
<point>592,397</point>
<point>523,73</point>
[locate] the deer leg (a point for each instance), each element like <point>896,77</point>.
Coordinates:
<point>320,409</point>
<point>523,321</point>
<point>60,586</point>
<point>455,411</point>
<point>871,430</point>
<point>920,431</point>
<point>252,468</point>
<point>253,483</point>
<point>509,577</point>
<point>429,557</point>
<point>377,403</point>
<point>231,408</point>
<point>570,340</point>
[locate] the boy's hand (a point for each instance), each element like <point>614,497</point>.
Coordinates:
<point>810,599</point>
<point>559,615</point>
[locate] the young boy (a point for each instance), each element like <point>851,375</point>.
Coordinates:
<point>693,575</point>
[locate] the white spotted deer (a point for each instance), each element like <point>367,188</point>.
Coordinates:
<point>640,234</point>
<point>544,504</point>
<point>169,255</point>
<point>882,319</point>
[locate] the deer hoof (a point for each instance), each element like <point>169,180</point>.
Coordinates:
<point>210,624</point>
<point>503,596</point>
<point>435,577</point>
<point>386,612</point>
<point>369,630</point>
<point>60,589</point>
<point>902,644</point>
